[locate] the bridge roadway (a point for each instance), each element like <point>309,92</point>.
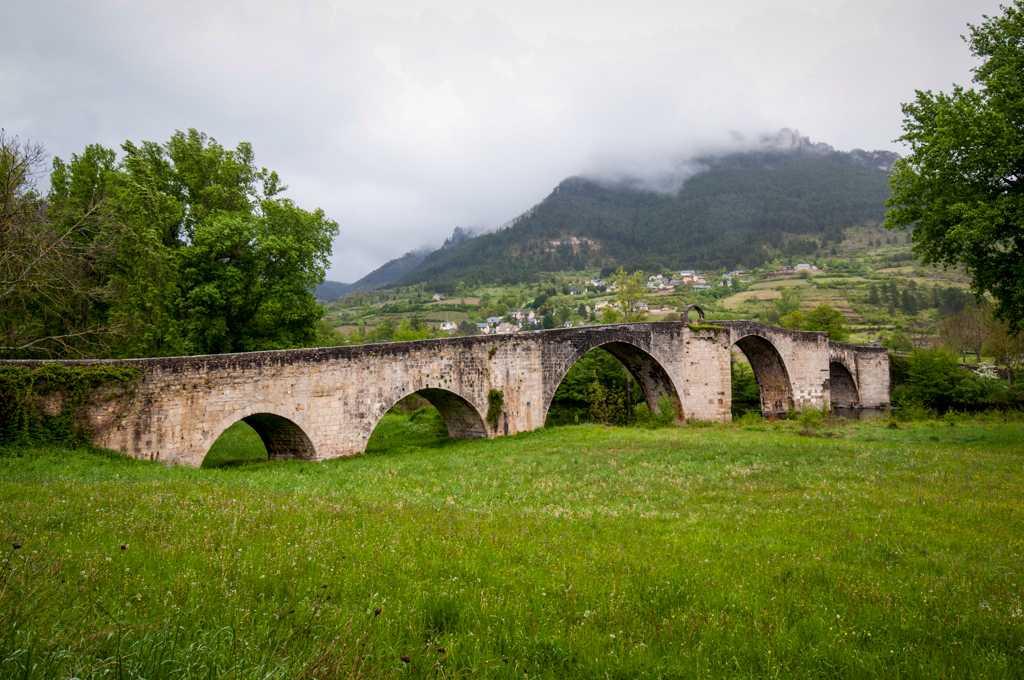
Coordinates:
<point>323,403</point>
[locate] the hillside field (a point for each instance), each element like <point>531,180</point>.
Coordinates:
<point>872,549</point>
<point>863,264</point>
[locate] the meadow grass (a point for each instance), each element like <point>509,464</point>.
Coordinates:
<point>238,445</point>
<point>742,550</point>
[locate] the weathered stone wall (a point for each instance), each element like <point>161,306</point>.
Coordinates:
<point>707,380</point>
<point>868,367</point>
<point>650,354</point>
<point>792,367</point>
<point>335,396</point>
<point>668,358</point>
<point>317,404</point>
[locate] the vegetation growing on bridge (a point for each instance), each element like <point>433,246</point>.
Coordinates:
<point>23,418</point>
<point>495,401</point>
<point>697,327</point>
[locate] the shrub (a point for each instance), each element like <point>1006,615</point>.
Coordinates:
<point>932,380</point>
<point>606,405</point>
<point>811,422</point>
<point>910,411</point>
<point>752,421</point>
<point>668,411</point>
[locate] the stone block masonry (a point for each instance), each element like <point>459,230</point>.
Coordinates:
<point>317,404</point>
<point>859,375</point>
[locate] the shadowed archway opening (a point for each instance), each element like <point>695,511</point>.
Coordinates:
<point>843,389</point>
<point>616,383</point>
<point>765,365</point>
<point>259,438</point>
<point>426,418</point>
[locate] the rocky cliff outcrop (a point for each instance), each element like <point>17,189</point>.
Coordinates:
<point>876,160</point>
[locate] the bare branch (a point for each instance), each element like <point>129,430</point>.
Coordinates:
<point>35,345</point>
<point>51,262</point>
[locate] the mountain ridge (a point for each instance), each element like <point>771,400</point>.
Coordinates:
<point>786,196</point>
<point>742,209</point>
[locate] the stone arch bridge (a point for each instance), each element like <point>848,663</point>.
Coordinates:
<point>323,403</point>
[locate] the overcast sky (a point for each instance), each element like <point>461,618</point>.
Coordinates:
<point>404,119</point>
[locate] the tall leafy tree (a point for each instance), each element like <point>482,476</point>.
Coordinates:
<point>140,271</point>
<point>962,186</point>
<point>209,257</point>
<point>965,332</point>
<point>787,302</point>
<point>1005,345</point>
<point>631,294</point>
<point>830,320</point>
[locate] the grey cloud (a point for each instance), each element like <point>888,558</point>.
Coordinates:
<point>403,120</point>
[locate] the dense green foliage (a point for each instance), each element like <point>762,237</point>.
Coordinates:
<point>962,186</point>
<point>829,320</point>
<point>742,210</point>
<point>719,552</point>
<point>599,364</point>
<point>823,318</point>
<point>198,251</point>
<point>599,389</point>
<point>746,395</point>
<point>931,379</point>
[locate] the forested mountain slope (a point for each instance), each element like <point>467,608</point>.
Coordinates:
<point>741,210</point>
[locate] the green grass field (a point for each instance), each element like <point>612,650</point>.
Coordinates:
<point>744,550</point>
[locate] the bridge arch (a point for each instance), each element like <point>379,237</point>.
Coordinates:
<point>283,438</point>
<point>842,385</point>
<point>650,375</point>
<point>460,416</point>
<point>770,371</point>
<point>686,312</point>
